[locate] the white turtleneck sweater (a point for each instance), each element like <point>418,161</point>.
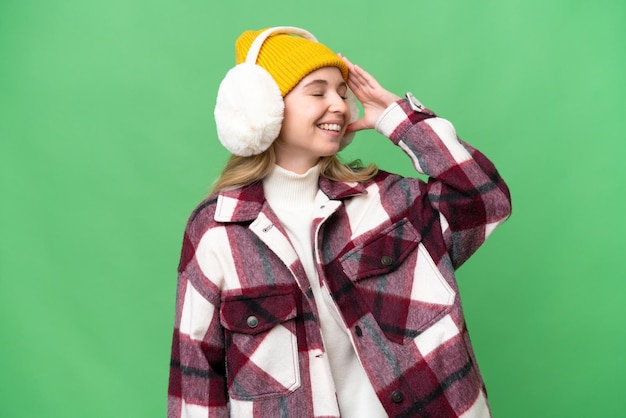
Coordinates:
<point>291,196</point>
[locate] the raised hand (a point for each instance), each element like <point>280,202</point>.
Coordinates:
<point>374,98</point>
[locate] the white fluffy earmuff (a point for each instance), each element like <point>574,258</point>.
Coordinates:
<point>249,108</point>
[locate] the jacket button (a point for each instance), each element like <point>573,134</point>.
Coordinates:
<point>358,331</point>
<point>397,396</point>
<point>252,321</point>
<point>386,260</point>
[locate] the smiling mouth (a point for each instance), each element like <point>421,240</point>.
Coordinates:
<point>334,127</point>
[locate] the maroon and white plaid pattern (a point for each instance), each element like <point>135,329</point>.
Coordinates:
<point>247,340</point>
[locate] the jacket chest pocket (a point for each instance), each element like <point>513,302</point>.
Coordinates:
<point>399,281</point>
<point>261,346</point>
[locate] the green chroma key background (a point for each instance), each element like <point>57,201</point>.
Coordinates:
<point>107,142</point>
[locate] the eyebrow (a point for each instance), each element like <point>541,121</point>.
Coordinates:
<point>323,83</point>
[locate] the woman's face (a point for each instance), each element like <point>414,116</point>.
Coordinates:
<point>315,120</point>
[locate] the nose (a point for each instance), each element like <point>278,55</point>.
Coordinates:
<point>337,104</point>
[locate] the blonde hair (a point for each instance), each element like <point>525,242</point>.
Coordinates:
<point>242,171</point>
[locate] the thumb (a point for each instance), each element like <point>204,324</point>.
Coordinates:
<point>358,125</point>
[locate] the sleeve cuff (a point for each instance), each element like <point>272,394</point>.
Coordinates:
<point>391,118</point>
<point>398,113</point>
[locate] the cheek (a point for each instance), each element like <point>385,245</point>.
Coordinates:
<point>303,113</point>
<point>302,119</point>
<point>293,125</point>
<point>292,120</point>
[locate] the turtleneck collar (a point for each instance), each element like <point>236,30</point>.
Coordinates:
<point>283,187</point>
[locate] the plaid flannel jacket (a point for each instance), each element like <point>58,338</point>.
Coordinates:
<point>247,340</point>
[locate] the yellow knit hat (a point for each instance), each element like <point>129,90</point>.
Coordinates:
<point>250,105</point>
<point>289,58</point>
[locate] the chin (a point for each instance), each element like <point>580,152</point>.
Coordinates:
<point>330,151</point>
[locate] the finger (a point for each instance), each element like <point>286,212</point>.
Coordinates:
<point>364,77</point>
<point>357,74</point>
<point>353,83</point>
<point>358,81</point>
<point>358,125</point>
<point>346,60</point>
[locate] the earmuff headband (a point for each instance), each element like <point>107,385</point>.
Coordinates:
<point>255,48</point>
<point>249,109</point>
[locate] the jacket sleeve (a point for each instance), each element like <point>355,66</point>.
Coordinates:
<point>463,185</point>
<point>197,382</point>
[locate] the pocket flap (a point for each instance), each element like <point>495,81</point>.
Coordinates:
<point>253,315</point>
<point>382,254</point>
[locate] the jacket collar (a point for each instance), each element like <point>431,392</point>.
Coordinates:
<point>245,203</point>
<point>338,190</point>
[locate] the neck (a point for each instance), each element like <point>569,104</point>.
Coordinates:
<point>293,159</point>
<point>285,187</point>
<point>297,166</point>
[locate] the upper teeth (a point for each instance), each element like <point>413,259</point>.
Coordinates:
<point>330,127</point>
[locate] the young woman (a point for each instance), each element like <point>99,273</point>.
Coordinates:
<point>313,288</point>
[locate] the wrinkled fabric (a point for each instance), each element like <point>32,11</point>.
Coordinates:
<point>247,340</point>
